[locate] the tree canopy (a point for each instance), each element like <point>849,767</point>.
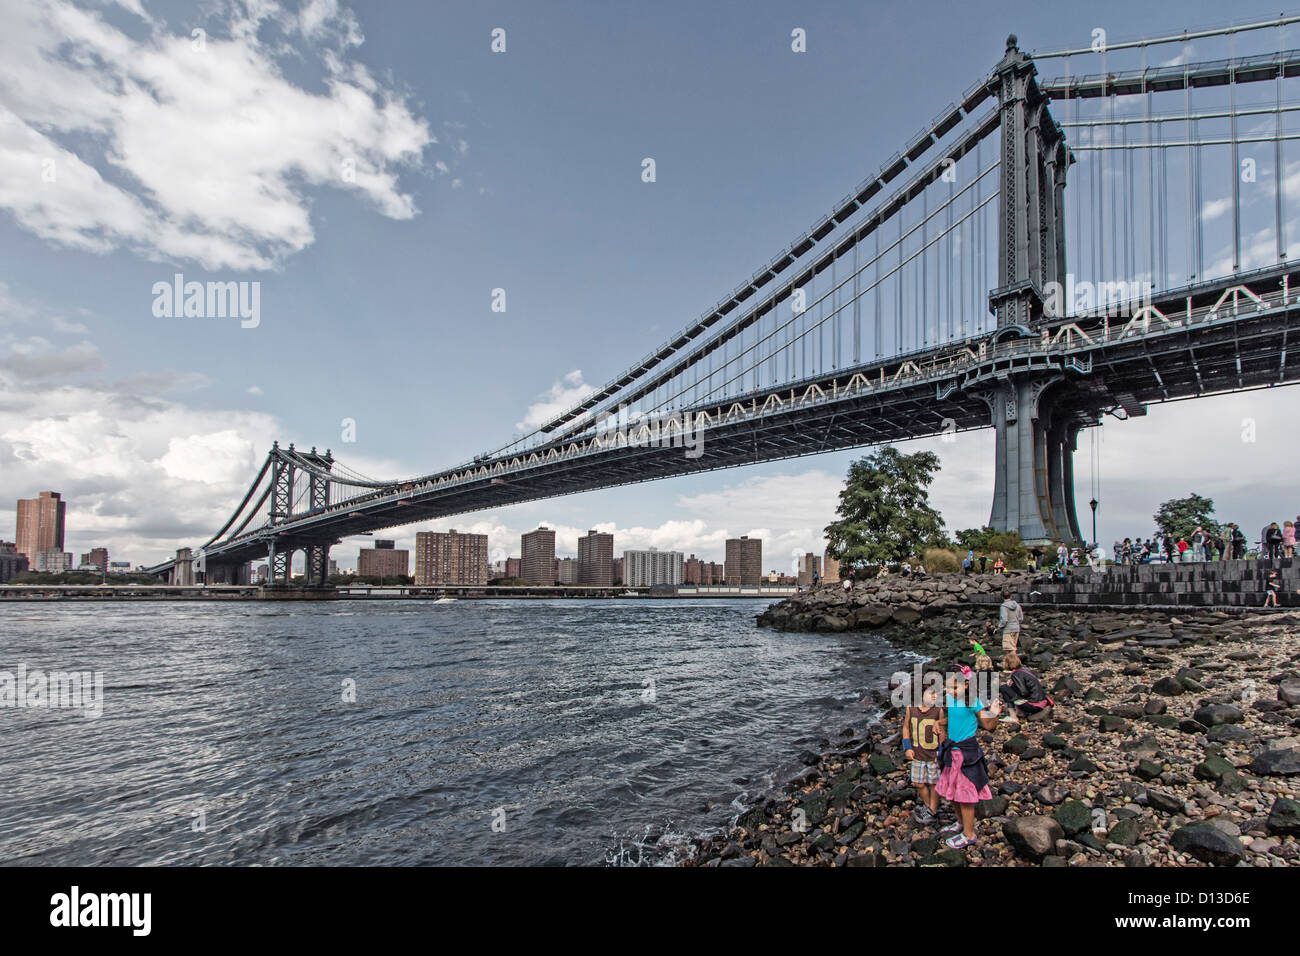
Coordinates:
<point>884,509</point>
<point>1180,517</point>
<point>990,541</point>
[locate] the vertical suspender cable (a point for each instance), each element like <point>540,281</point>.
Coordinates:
<point>1187,112</point>
<point>1278,174</point>
<point>925,268</point>
<point>1236,166</point>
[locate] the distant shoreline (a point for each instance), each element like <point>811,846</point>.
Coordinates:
<point>84,593</point>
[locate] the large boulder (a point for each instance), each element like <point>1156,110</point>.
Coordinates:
<point>1212,715</point>
<point>1208,844</point>
<point>1284,818</point>
<point>1165,802</point>
<point>1288,691</point>
<point>1033,837</point>
<point>1074,816</point>
<point>1277,763</point>
<point>1168,687</point>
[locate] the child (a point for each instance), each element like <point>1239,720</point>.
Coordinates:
<point>999,566</point>
<point>963,775</point>
<point>982,660</point>
<point>1274,586</point>
<point>1021,690</point>
<point>921,735</point>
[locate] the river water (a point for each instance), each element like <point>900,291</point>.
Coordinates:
<point>408,732</point>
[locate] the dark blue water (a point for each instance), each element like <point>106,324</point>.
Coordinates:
<point>540,732</point>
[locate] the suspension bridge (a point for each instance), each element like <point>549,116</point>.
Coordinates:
<point>961,286</point>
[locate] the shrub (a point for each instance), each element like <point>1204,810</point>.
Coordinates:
<point>941,561</point>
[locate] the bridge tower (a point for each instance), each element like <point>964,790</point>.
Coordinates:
<point>1034,473</point>
<point>279,562</point>
<point>318,496</point>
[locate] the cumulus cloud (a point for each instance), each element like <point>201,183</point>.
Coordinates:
<point>185,147</point>
<point>562,395</point>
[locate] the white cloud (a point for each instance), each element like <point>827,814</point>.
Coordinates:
<point>109,140</point>
<point>562,395</point>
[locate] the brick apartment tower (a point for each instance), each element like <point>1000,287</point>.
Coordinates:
<point>40,525</point>
<point>596,559</point>
<point>450,558</point>
<point>383,561</point>
<point>537,566</point>
<point>744,561</point>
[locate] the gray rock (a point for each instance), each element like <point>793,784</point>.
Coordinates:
<point>1277,763</point>
<point>1032,837</point>
<point>1211,715</point>
<point>1208,844</point>
<point>1165,802</point>
<point>1284,818</point>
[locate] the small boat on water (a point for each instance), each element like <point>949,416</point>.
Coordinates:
<point>445,600</point>
<point>629,594</point>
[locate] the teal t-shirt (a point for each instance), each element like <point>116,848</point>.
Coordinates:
<point>962,722</point>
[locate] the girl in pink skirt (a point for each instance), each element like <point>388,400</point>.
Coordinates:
<point>963,774</point>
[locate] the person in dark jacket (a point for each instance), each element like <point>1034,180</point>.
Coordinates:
<point>1238,543</point>
<point>1022,692</point>
<point>1273,541</point>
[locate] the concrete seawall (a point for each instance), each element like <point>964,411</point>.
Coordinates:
<point>1195,584</point>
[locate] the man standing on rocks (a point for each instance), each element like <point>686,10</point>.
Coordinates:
<point>1010,616</point>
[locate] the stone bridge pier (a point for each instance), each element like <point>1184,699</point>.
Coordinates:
<point>1037,428</point>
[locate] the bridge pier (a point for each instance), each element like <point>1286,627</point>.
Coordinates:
<point>1033,475</point>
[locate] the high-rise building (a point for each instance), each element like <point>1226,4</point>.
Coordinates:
<point>12,561</point>
<point>830,568</point>
<point>450,558</point>
<point>618,570</point>
<point>596,559</point>
<point>537,566</point>
<point>514,568</point>
<point>54,562</point>
<point>567,571</point>
<point>744,561</point>
<point>384,560</point>
<point>40,525</point>
<point>96,558</point>
<point>698,571</point>
<point>652,567</point>
<point>810,567</point>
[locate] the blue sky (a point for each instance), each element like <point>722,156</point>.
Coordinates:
<point>475,171</point>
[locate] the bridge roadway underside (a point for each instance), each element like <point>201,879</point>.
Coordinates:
<point>1126,374</point>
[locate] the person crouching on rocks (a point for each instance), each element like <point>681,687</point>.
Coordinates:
<point>1021,690</point>
<point>922,731</point>
<point>963,774</point>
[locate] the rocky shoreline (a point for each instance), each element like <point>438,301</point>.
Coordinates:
<point>1175,740</point>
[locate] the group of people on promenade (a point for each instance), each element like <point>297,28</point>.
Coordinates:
<point>1228,543</point>
<point>941,741</point>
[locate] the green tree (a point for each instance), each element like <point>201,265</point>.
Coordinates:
<point>989,541</point>
<point>884,509</point>
<point>1180,517</point>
